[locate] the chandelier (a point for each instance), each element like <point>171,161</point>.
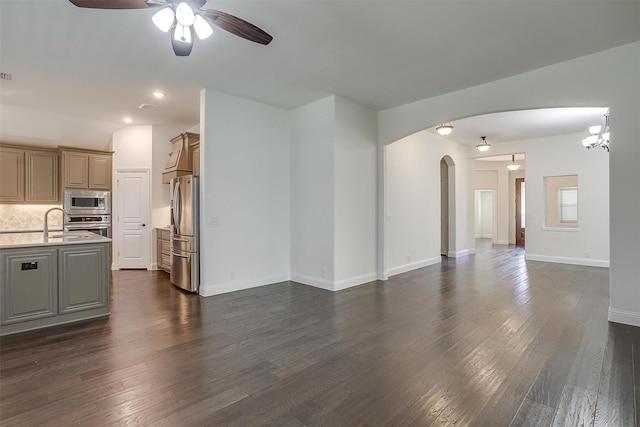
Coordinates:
<point>598,135</point>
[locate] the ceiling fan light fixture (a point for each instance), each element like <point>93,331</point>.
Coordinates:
<point>181,40</point>
<point>163,19</point>
<point>484,145</point>
<point>184,14</point>
<point>182,34</point>
<point>444,129</point>
<point>202,27</point>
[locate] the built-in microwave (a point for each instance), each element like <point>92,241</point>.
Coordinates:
<point>87,202</point>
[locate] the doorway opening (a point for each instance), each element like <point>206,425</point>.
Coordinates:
<point>485,217</point>
<point>520,212</point>
<point>447,207</point>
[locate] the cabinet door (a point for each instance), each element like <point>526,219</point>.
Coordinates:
<point>11,175</point>
<point>41,177</point>
<point>75,168</point>
<point>99,172</point>
<point>75,264</point>
<point>29,284</point>
<point>159,248</point>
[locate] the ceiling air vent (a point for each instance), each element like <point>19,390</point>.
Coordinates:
<point>148,107</point>
<point>5,76</point>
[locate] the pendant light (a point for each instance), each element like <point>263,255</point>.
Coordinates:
<point>513,166</point>
<point>484,145</point>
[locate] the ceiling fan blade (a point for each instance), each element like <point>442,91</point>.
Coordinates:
<point>237,26</point>
<point>114,4</point>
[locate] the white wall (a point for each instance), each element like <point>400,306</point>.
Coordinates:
<point>333,194</point>
<point>26,126</point>
<point>589,243</point>
<point>588,81</point>
<point>245,202</point>
<point>355,194</point>
<point>412,202</point>
<point>312,194</point>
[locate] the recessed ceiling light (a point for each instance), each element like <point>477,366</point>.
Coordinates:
<point>158,94</point>
<point>127,120</point>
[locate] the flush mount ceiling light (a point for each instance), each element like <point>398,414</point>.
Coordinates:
<point>598,136</point>
<point>444,129</point>
<point>158,94</point>
<point>513,166</point>
<point>127,120</point>
<point>484,145</point>
<point>184,18</point>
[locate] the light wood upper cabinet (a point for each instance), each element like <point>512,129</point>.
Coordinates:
<point>28,175</point>
<point>100,172</point>
<point>11,175</point>
<point>42,177</point>
<point>85,169</point>
<point>75,167</point>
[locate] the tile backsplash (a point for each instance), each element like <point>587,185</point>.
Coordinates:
<point>28,217</point>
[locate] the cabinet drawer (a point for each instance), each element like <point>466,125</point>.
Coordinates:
<point>166,247</point>
<point>166,262</point>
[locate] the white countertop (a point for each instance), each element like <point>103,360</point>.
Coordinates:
<point>18,240</point>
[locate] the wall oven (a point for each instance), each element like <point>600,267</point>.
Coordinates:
<point>98,224</point>
<point>87,202</point>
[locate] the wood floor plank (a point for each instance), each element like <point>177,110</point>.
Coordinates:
<point>485,340</point>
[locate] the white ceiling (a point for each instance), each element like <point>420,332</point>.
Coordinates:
<point>102,64</point>
<point>527,124</point>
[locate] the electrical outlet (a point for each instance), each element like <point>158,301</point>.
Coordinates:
<point>324,273</point>
<point>232,275</point>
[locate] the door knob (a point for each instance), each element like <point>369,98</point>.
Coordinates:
<point>144,225</point>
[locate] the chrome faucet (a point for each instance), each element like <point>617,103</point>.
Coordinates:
<point>46,224</point>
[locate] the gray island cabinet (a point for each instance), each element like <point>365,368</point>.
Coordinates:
<point>63,279</point>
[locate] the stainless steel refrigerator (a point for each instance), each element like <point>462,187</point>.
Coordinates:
<point>185,230</point>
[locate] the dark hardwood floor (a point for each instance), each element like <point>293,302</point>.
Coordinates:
<point>487,340</point>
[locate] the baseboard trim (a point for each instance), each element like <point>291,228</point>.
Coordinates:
<point>354,281</point>
<point>223,288</point>
<point>413,266</point>
<point>565,260</point>
<point>623,316</point>
<point>484,236</point>
<point>459,254</point>
<point>334,286</point>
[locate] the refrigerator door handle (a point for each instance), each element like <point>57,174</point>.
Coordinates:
<point>177,206</point>
<point>180,256</point>
<point>176,239</point>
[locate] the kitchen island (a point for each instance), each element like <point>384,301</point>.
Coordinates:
<point>50,281</point>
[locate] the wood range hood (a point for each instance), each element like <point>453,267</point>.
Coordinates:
<point>181,156</point>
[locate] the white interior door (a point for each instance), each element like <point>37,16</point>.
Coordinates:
<point>133,231</point>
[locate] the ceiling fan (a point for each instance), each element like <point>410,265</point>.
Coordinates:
<point>183,18</point>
